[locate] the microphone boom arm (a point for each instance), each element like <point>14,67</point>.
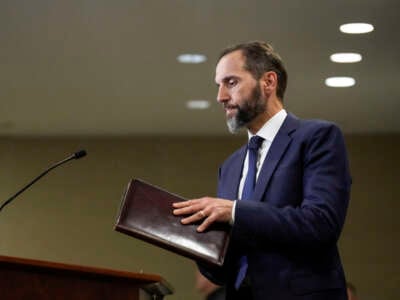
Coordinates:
<point>76,155</point>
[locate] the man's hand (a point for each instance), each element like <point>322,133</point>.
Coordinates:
<point>208,209</point>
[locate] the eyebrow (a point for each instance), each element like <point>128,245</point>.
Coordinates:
<point>227,78</point>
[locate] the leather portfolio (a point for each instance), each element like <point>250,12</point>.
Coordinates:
<point>146,214</point>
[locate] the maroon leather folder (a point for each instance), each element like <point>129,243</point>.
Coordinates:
<point>146,214</point>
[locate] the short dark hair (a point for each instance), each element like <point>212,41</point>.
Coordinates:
<point>260,58</point>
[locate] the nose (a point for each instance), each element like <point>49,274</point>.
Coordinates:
<point>222,95</point>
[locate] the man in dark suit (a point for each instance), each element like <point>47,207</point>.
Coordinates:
<point>285,194</point>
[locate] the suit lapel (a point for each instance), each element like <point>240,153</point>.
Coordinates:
<point>235,174</point>
<point>275,153</point>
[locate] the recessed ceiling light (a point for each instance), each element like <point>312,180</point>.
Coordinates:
<point>340,81</point>
<point>346,57</point>
<point>197,104</point>
<point>188,58</point>
<point>355,28</point>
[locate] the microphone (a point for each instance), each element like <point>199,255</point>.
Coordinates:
<point>76,155</point>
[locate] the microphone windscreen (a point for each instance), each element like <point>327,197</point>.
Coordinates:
<point>79,154</point>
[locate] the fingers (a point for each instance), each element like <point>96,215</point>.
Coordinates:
<point>186,207</point>
<point>196,209</point>
<point>208,209</point>
<point>202,214</point>
<point>198,216</point>
<point>182,204</point>
<point>206,223</point>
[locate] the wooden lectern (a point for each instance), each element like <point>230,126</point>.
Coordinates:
<point>41,280</point>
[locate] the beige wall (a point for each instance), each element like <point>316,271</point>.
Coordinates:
<point>69,215</point>
<point>370,242</point>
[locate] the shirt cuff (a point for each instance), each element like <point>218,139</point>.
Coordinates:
<point>233,213</point>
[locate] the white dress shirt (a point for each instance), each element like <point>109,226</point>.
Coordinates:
<point>268,132</point>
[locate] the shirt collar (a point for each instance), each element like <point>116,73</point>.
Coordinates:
<point>271,127</point>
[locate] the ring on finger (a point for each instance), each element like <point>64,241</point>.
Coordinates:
<point>202,214</point>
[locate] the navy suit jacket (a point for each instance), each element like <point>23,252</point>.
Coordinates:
<point>290,228</point>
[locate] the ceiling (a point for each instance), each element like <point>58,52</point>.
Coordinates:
<point>109,68</point>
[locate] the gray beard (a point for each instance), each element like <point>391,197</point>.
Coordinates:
<point>233,125</point>
<point>249,110</point>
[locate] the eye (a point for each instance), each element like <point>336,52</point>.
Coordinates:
<point>232,82</point>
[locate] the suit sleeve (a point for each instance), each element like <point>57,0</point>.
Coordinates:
<point>317,219</point>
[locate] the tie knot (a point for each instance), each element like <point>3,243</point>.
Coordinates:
<point>255,142</point>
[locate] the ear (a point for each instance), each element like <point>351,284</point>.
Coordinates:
<point>269,82</point>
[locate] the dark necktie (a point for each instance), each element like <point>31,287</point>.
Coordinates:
<point>248,189</point>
